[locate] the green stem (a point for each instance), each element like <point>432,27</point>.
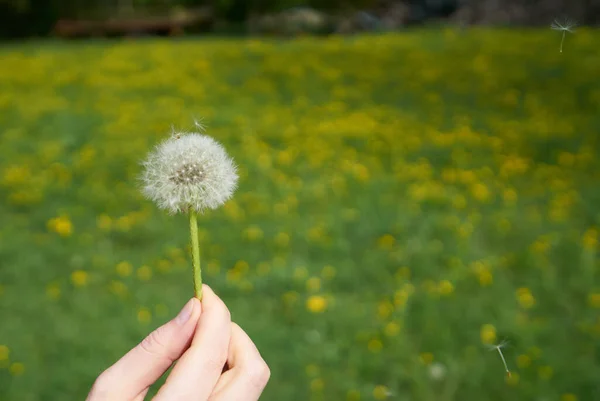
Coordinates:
<point>196,254</point>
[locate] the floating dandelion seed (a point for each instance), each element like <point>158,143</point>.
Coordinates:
<point>499,347</point>
<point>566,25</point>
<point>189,172</point>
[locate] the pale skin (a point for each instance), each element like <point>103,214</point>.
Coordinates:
<point>213,358</point>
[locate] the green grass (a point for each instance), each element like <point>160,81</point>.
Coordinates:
<point>436,191</point>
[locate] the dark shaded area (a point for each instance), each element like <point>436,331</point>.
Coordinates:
<point>28,18</point>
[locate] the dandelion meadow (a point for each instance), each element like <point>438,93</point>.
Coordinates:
<point>405,203</point>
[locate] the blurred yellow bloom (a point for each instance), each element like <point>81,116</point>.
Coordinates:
<point>144,273</point>
<point>53,291</point>
<point>313,284</point>
<point>328,272</point>
<point>213,267</point>
<point>525,298</point>
<point>510,196</point>
<point>375,345</point>
<point>124,269</point>
<point>312,370</point>
<point>79,278</point>
<point>590,239</point>
<point>317,385</point>
<point>385,309</point>
<point>445,287</point>
<point>144,316</point>
<point>353,395</point>
<point>568,397</point>
<point>316,303</point>
<point>61,225</point>
<point>104,222</point>
<point>282,240</point>
<point>4,353</point>
<point>16,369</point>
<point>523,361</point>
<point>381,392</point>
<point>594,300</point>
<point>290,297</point>
<point>163,266</point>
<point>386,242</point>
<point>263,268</point>
<point>300,273</point>
<point>513,379</point>
<point>253,233</point>
<point>118,288</point>
<point>545,372</point>
<point>392,329</point>
<point>480,192</point>
<point>426,357</point>
<point>488,334</point>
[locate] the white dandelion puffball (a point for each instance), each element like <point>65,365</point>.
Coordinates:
<point>189,171</point>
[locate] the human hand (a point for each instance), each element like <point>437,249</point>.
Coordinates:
<point>216,360</point>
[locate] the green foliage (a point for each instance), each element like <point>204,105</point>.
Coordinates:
<point>405,201</point>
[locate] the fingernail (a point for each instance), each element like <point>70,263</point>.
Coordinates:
<point>185,313</point>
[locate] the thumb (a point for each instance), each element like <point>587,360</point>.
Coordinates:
<point>143,365</point>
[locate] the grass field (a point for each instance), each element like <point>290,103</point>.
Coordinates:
<point>405,201</point>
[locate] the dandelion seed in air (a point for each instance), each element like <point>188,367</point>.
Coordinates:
<point>189,173</point>
<point>564,26</point>
<point>498,347</point>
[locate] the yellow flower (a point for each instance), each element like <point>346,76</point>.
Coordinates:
<point>79,278</point>
<point>568,397</point>
<point>445,287</point>
<point>594,300</point>
<point>253,233</point>
<point>328,272</point>
<point>104,222</point>
<point>512,379</point>
<point>124,269</point>
<point>144,273</point>
<point>317,385</point>
<point>386,242</point>
<point>316,304</point>
<point>263,268</point>
<point>510,196</point>
<point>144,316</point>
<point>525,298</point>
<point>385,309</point>
<point>312,370</point>
<point>290,297</point>
<point>523,361</point>
<point>381,392</point>
<point>16,369</point>
<point>282,240</point>
<point>590,239</point>
<point>375,345</point>
<point>53,291</point>
<point>488,334</point>
<point>118,288</point>
<point>545,372</point>
<point>61,225</point>
<point>4,353</point>
<point>353,395</point>
<point>392,329</point>
<point>313,284</point>
<point>426,358</point>
<point>480,192</point>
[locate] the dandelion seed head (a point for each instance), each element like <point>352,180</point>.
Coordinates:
<point>566,24</point>
<point>189,170</point>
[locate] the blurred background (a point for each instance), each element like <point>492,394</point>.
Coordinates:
<point>419,182</point>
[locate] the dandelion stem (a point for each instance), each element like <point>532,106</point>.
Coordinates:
<point>196,253</point>
<point>562,40</point>
<point>503,361</point>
